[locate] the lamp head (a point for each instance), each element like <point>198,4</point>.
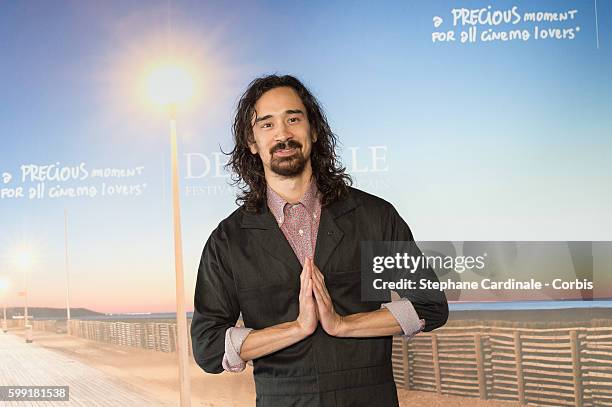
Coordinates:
<point>23,260</point>
<point>170,85</point>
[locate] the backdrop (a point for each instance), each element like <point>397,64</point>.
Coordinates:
<point>477,121</point>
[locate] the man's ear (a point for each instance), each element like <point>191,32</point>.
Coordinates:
<point>252,146</point>
<point>314,137</point>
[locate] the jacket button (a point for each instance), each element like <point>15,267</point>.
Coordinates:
<point>330,233</point>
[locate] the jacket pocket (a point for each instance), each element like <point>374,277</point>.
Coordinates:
<point>269,305</point>
<point>345,289</point>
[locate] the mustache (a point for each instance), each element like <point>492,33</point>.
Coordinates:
<point>283,145</point>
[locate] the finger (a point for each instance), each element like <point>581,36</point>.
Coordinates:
<point>302,282</point>
<point>316,270</point>
<point>317,294</point>
<point>325,294</point>
<point>320,277</point>
<point>322,298</point>
<point>314,266</point>
<point>314,274</point>
<point>306,273</point>
<point>324,287</point>
<point>309,269</point>
<point>302,274</point>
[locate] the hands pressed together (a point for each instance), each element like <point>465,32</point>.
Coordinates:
<point>316,305</point>
<point>315,302</point>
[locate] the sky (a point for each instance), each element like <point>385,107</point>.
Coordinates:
<point>469,141</point>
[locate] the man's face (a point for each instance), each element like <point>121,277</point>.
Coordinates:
<point>282,132</point>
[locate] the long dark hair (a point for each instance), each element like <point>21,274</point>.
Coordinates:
<point>247,168</point>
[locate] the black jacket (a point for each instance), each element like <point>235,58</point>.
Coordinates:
<point>248,266</point>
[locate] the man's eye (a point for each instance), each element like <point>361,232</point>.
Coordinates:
<point>294,119</point>
<point>266,125</point>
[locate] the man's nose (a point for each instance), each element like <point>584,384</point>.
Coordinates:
<point>283,133</point>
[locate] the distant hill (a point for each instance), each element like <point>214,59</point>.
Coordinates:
<point>50,313</point>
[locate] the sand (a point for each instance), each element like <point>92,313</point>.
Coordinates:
<point>156,374</point>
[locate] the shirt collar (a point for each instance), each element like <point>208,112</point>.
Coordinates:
<point>276,203</point>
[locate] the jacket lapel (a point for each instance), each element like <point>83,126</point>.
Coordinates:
<point>272,240</point>
<point>330,234</point>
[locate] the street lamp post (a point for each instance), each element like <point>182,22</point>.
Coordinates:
<point>28,327</point>
<point>24,261</point>
<point>68,331</point>
<point>4,324</point>
<point>181,317</point>
<point>170,85</point>
<point>3,289</point>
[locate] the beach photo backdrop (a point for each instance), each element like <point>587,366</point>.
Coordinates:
<point>479,121</point>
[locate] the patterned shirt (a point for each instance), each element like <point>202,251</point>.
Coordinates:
<point>299,222</point>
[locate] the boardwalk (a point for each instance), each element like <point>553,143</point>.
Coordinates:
<point>28,364</point>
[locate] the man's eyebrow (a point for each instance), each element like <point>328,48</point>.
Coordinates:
<point>268,116</point>
<point>294,111</point>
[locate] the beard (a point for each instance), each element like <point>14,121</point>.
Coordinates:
<point>289,166</point>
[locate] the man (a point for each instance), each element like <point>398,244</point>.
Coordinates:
<point>288,260</point>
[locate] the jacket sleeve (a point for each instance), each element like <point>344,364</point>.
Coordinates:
<point>405,314</point>
<point>216,305</point>
<point>234,338</point>
<point>430,305</point>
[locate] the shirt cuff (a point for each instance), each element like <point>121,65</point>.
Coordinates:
<point>234,337</point>
<point>406,317</point>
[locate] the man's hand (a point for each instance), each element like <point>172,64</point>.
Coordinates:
<point>262,342</point>
<point>307,320</point>
<point>330,320</point>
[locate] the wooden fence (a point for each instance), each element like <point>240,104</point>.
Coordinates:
<point>548,367</point>
<point>157,336</point>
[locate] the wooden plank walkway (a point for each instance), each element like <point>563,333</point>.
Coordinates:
<point>23,364</point>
